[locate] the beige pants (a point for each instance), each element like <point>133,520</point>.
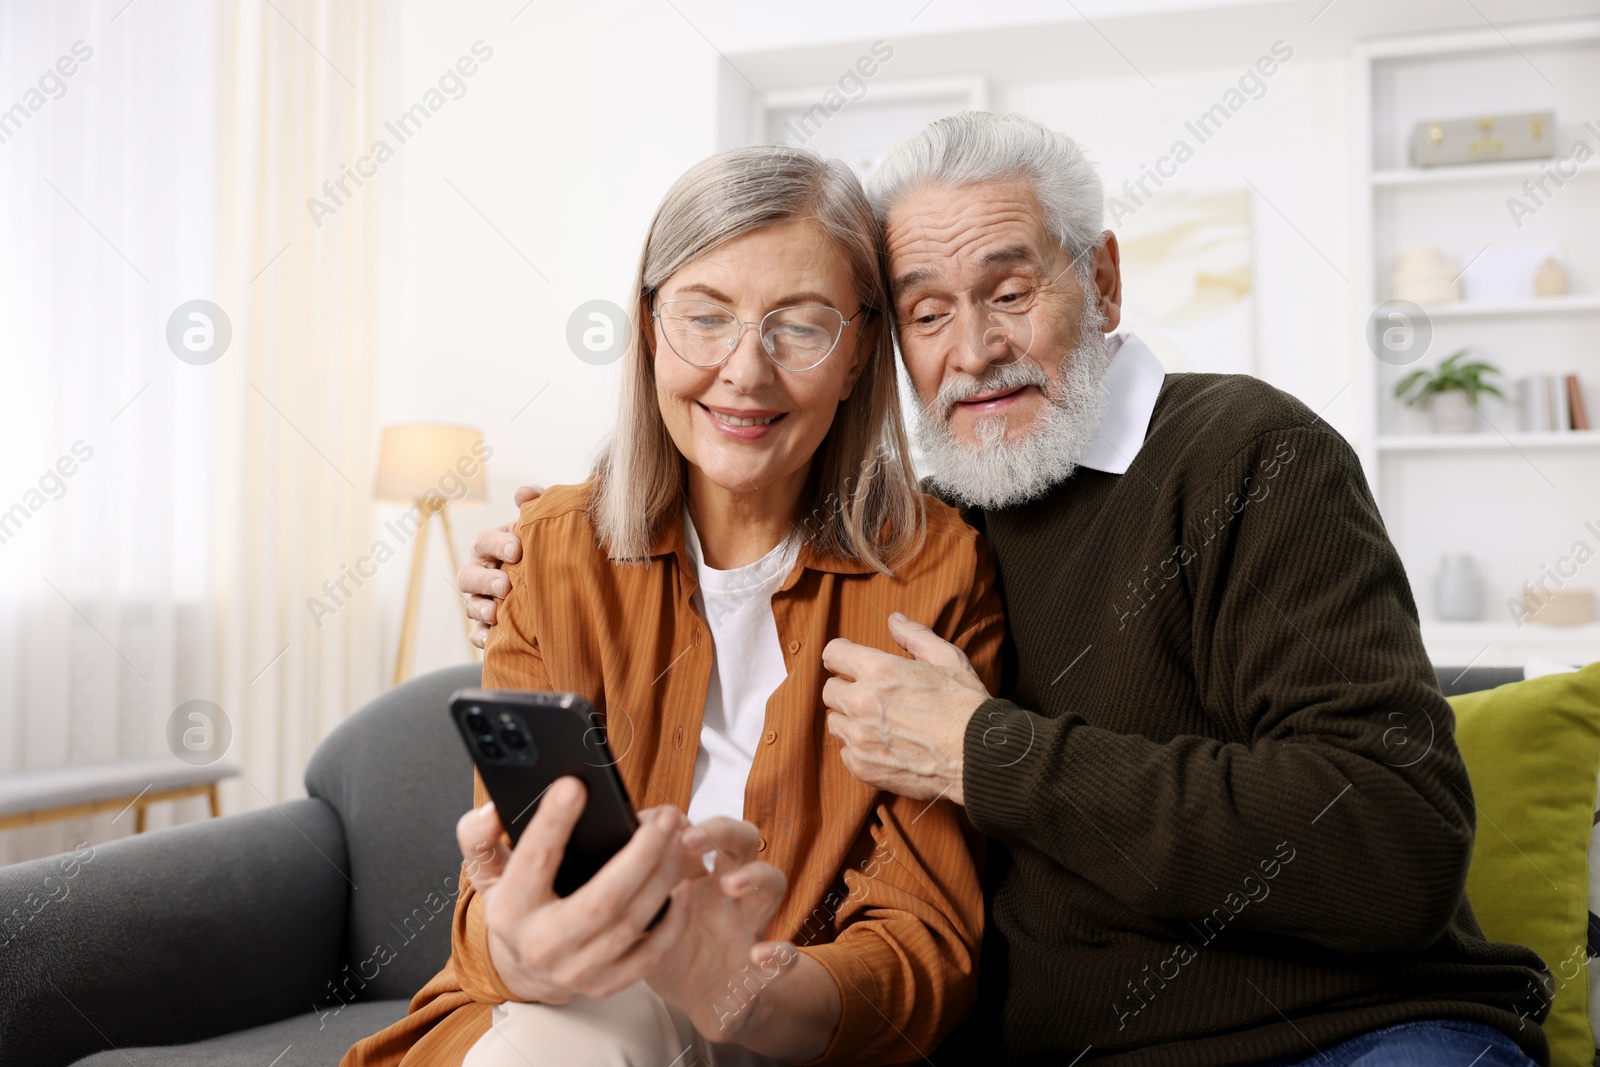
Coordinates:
<point>633,1028</point>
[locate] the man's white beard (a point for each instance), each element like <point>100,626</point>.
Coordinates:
<point>1001,473</point>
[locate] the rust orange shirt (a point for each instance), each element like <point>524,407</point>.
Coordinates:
<point>883,891</point>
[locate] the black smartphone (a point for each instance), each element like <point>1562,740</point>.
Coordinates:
<point>523,742</point>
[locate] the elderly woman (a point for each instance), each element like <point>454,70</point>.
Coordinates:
<point>754,502</point>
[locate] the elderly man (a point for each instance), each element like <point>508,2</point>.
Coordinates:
<point>1229,822</point>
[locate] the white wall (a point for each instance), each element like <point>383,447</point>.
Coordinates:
<point>1292,144</point>
<point>567,137</point>
<point>564,141</point>
<point>570,134</point>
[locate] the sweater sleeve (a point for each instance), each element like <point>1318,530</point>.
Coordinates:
<point>909,914</point>
<point>1340,780</point>
<point>511,661</point>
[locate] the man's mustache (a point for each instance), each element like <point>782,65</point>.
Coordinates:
<point>1002,378</point>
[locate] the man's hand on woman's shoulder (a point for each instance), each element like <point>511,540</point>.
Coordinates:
<point>480,581</point>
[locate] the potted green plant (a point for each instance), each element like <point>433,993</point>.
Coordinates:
<point>1450,392</point>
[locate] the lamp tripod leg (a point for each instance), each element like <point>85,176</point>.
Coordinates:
<point>408,623</point>
<point>455,568</point>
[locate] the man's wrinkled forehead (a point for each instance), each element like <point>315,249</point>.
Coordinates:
<point>980,227</point>
<point>1009,255</point>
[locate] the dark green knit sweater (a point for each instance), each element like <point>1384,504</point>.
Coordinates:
<point>1235,822</point>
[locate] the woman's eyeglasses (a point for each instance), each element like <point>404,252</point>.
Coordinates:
<point>798,338</point>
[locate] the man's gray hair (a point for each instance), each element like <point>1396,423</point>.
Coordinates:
<point>979,146</point>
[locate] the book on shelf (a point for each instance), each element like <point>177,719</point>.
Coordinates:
<point>1552,402</point>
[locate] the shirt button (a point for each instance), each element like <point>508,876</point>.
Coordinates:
<point>697,636</point>
<point>772,735</point>
<point>680,737</point>
<point>794,646</point>
<point>763,846</point>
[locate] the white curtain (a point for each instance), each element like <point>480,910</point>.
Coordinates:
<point>162,523</point>
<point>106,183</point>
<point>303,92</point>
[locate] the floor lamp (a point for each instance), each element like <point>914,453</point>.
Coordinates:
<point>430,467</point>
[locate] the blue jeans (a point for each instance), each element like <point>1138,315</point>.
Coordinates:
<point>1436,1043</point>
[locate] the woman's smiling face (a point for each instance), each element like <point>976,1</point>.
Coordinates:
<point>747,424</point>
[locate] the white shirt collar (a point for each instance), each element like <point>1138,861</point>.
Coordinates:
<point>1132,384</point>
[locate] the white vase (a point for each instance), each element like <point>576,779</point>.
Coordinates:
<point>1452,412</point>
<point>1551,279</point>
<point>1457,592</point>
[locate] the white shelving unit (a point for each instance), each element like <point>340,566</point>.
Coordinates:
<point>1479,442</point>
<point>1488,173</point>
<point>1492,644</point>
<point>1515,501</point>
<point>1549,306</point>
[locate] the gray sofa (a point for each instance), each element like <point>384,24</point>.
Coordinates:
<point>242,937</point>
<point>253,940</point>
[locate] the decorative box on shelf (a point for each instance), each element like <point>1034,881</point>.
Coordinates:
<point>1492,139</point>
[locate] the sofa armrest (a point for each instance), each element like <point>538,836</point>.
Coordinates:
<point>172,936</point>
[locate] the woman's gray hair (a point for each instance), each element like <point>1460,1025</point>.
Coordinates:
<point>979,146</point>
<point>861,501</point>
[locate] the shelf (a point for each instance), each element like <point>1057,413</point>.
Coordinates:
<point>1504,644</point>
<point>1550,305</point>
<point>1470,173</point>
<point>1487,441</point>
<point>1531,633</point>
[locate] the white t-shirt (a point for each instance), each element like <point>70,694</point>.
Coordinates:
<point>746,669</point>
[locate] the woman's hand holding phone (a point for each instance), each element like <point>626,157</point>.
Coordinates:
<point>548,949</point>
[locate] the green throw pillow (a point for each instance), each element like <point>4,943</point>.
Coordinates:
<point>1532,751</point>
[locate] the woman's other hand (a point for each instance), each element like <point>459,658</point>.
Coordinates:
<point>721,964</point>
<point>548,949</point>
<point>480,581</point>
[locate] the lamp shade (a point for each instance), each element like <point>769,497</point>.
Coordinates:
<point>416,459</point>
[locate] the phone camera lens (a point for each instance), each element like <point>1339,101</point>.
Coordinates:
<point>490,747</point>
<point>477,721</point>
<point>513,736</point>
